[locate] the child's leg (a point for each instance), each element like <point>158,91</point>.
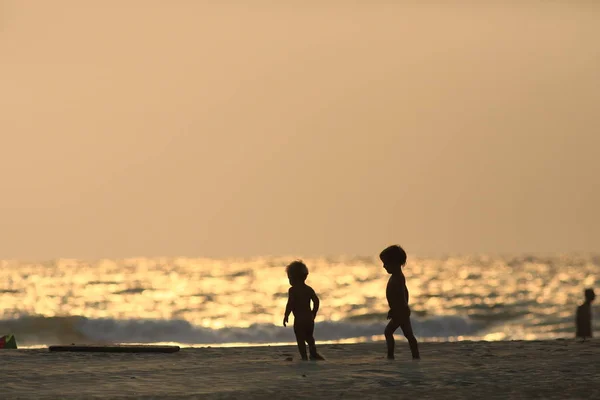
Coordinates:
<point>310,339</point>
<point>389,337</point>
<point>301,339</point>
<point>312,347</point>
<point>406,327</point>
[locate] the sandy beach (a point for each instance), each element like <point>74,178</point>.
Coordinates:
<point>518,369</point>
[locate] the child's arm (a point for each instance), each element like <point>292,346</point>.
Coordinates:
<point>403,290</point>
<point>316,303</point>
<point>399,301</point>
<point>288,307</point>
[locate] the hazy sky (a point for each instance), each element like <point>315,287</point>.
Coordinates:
<point>144,128</point>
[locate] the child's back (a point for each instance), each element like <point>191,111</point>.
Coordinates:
<point>301,295</point>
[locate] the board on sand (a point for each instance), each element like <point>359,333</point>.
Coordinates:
<point>117,348</point>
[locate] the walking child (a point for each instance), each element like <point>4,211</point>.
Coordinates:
<point>299,298</point>
<point>394,258</point>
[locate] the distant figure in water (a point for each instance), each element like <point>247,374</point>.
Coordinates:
<point>584,316</point>
<point>394,258</point>
<point>299,297</point>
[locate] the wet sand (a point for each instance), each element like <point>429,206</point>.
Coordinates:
<point>557,369</point>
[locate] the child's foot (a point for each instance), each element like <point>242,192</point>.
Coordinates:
<point>316,356</point>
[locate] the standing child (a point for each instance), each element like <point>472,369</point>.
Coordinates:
<point>394,258</point>
<point>299,297</point>
<point>583,320</point>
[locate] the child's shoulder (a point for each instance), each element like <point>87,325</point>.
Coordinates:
<point>309,288</point>
<point>301,288</point>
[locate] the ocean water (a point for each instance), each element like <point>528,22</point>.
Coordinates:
<point>193,301</point>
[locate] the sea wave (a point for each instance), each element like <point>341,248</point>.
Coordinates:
<point>39,330</point>
<point>205,302</point>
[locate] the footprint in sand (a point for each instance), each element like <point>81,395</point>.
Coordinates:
<point>372,371</point>
<point>388,383</point>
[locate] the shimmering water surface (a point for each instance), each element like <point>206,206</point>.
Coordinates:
<point>205,301</point>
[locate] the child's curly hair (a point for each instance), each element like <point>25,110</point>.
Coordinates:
<point>297,271</point>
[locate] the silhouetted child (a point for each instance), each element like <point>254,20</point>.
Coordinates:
<point>584,316</point>
<point>394,258</point>
<point>299,297</point>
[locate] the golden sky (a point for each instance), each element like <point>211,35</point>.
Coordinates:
<point>239,128</point>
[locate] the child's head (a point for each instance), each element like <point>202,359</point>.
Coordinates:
<point>590,295</point>
<point>297,272</point>
<point>393,258</point>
